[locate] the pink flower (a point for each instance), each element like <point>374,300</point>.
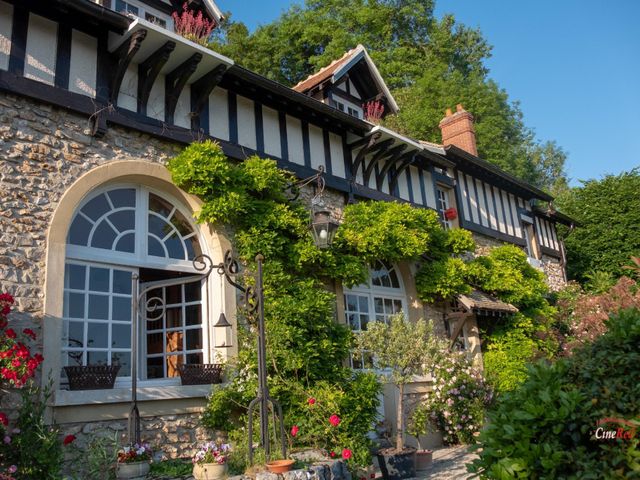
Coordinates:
<point>7,439</point>
<point>346,454</point>
<point>294,430</point>
<point>311,401</point>
<point>3,419</point>
<point>68,439</point>
<point>334,420</point>
<point>12,469</point>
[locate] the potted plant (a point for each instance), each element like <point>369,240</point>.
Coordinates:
<point>134,461</point>
<point>417,426</point>
<point>403,350</point>
<point>210,461</point>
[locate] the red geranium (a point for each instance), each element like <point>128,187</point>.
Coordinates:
<point>311,401</point>
<point>9,332</point>
<point>346,454</point>
<point>334,420</point>
<point>294,430</point>
<point>68,439</point>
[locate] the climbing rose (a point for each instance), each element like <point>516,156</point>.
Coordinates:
<point>68,439</point>
<point>334,420</point>
<point>332,454</point>
<point>311,401</point>
<point>29,333</point>
<point>3,419</point>
<point>9,332</point>
<point>294,430</point>
<point>346,454</point>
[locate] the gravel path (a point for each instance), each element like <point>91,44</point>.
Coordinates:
<point>449,464</point>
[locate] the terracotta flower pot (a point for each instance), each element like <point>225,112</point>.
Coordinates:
<point>280,466</point>
<point>133,470</point>
<point>423,459</point>
<point>209,471</point>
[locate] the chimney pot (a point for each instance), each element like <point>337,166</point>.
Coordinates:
<point>457,129</point>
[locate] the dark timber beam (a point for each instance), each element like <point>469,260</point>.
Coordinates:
<point>383,150</point>
<point>363,151</point>
<point>148,71</point>
<point>394,156</point>
<point>175,82</point>
<point>359,143</point>
<point>200,92</point>
<point>396,175</point>
<point>122,58</point>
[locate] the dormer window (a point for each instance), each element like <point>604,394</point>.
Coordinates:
<point>126,7</point>
<point>149,17</point>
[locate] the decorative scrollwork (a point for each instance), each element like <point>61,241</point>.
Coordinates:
<point>251,300</point>
<point>203,263</point>
<point>152,305</point>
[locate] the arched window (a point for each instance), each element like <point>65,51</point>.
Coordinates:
<point>381,297</point>
<point>116,232</point>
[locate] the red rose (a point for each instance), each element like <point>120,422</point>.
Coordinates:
<point>332,454</point>
<point>311,401</point>
<point>10,333</point>
<point>68,439</point>
<point>16,362</point>
<point>334,420</point>
<point>346,454</point>
<point>294,430</point>
<point>3,419</point>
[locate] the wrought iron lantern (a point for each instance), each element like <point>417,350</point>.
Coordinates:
<point>223,331</point>
<point>323,227</point>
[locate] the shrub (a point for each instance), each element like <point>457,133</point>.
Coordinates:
<point>546,428</point>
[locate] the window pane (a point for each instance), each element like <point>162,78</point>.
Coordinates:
<point>388,308</point>
<point>123,220</point>
<point>194,358</point>
<point>192,291</point>
<point>174,294</point>
<point>181,224</point>
<point>394,279</point>
<point>123,197</point>
<point>120,336</point>
<point>158,226</point>
<point>159,205</point>
<point>96,207</point>
<point>352,303</point>
<point>124,360</point>
<point>364,319</point>
<point>379,306</point>
<point>74,276</point>
<point>397,306</point>
<point>97,358</point>
<point>155,247</point>
<point>103,236</point>
<point>127,243</point>
<point>194,339</point>
<point>99,279</point>
<point>99,307</point>
<point>155,343</point>
<point>174,317</point>
<point>98,335</point>
<point>75,335</point>
<point>121,282</point>
<point>175,247</point>
<point>79,231</point>
<point>174,342</point>
<point>155,367</point>
<point>71,359</point>
<point>74,306</point>
<point>192,314</point>
<point>352,318</point>
<point>193,248</point>
<point>364,304</point>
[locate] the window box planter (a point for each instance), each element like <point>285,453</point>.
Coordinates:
<point>200,373</point>
<point>92,377</point>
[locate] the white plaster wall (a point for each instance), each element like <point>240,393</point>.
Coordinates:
<point>484,216</point>
<point>6,22</point>
<point>316,146</point>
<point>403,186</point>
<point>502,224</point>
<point>294,140</point>
<point>246,122</point>
<point>219,114</point>
<point>507,208</point>
<point>474,201</point>
<point>464,196</point>
<point>428,187</point>
<point>271,129</point>
<point>155,105</point>
<point>182,116</point>
<point>42,40</point>
<point>415,185</point>
<point>490,207</point>
<point>359,173</point>
<point>127,97</point>
<point>83,67</point>
<point>514,212</point>
<point>337,155</point>
<point>353,90</point>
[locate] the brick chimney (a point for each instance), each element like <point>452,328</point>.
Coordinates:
<point>457,129</point>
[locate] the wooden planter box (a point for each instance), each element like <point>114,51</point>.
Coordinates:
<point>92,377</point>
<point>200,373</point>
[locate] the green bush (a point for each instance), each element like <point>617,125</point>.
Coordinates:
<point>546,428</point>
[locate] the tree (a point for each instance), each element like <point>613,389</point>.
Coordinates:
<point>406,349</point>
<point>608,211</point>
<point>429,64</point>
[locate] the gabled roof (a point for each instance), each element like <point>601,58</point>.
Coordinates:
<point>338,68</point>
<point>478,301</point>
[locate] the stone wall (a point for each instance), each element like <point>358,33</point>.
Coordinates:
<point>554,271</point>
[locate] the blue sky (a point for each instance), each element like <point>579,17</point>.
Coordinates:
<point>574,66</point>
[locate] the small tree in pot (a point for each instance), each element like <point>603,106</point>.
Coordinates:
<point>416,427</point>
<point>403,350</point>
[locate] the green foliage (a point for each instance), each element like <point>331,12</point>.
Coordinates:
<point>430,64</point>
<point>171,469</point>
<point>32,445</point>
<point>546,428</point>
<point>442,279</point>
<point>608,211</point>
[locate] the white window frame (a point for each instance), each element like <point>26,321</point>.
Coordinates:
<point>91,256</point>
<point>443,203</point>
<point>143,9</point>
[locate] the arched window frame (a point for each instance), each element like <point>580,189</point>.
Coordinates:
<point>368,298</point>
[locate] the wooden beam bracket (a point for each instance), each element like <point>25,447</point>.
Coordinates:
<point>148,71</point>
<point>175,82</point>
<point>371,141</point>
<point>382,151</point>
<point>122,58</point>
<point>396,175</point>
<point>394,156</point>
<point>200,92</point>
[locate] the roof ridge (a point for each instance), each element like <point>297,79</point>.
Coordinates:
<point>334,62</point>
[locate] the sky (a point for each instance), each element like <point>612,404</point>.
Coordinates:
<point>573,65</point>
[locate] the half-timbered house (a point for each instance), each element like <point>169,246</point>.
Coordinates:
<point>96,96</point>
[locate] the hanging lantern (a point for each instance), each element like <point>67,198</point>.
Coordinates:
<point>323,227</point>
<point>223,332</point>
